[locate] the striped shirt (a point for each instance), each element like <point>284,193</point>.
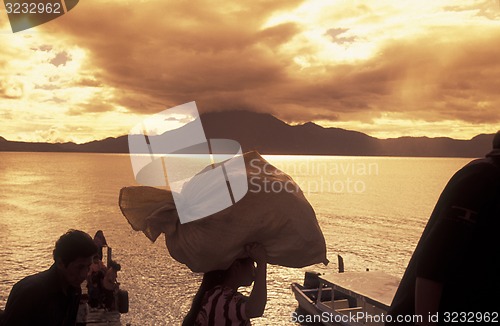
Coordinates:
<point>222,306</point>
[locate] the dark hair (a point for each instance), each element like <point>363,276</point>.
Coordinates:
<point>114,265</point>
<point>72,245</point>
<point>496,140</point>
<point>100,234</point>
<point>210,280</point>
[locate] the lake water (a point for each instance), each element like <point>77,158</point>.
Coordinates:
<point>372,211</point>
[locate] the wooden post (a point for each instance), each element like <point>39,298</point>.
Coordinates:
<point>341,263</point>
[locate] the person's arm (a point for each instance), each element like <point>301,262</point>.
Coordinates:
<point>427,298</point>
<point>258,297</point>
<point>109,281</point>
<point>445,245</point>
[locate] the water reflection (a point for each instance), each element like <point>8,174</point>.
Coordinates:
<point>44,194</point>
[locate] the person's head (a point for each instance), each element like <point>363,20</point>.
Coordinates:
<point>99,235</point>
<point>242,271</point>
<point>114,265</point>
<point>496,141</point>
<point>73,255</point>
<point>495,153</point>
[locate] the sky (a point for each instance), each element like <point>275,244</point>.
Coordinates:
<point>386,68</point>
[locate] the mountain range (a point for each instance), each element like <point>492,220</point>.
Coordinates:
<point>269,135</point>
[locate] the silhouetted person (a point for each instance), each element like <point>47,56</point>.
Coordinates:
<point>94,282</point>
<point>454,268</point>
<point>218,301</point>
<point>100,242</point>
<point>110,285</point>
<point>52,297</point>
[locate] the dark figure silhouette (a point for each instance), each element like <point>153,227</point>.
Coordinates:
<point>52,297</point>
<point>218,301</point>
<point>94,282</point>
<point>100,242</point>
<point>454,268</point>
<point>110,285</point>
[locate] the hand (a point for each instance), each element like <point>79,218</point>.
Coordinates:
<point>257,252</point>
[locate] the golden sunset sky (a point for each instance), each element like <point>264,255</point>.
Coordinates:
<point>387,68</point>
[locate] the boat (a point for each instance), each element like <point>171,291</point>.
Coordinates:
<point>345,298</point>
<point>88,316</point>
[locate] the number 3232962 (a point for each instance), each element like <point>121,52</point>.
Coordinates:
<point>33,8</point>
<point>470,317</point>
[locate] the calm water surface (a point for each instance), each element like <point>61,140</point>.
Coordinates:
<point>372,211</point>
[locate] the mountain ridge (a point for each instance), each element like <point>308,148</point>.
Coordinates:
<point>270,135</point>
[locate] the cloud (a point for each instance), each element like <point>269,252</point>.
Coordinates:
<point>88,82</point>
<point>213,54</point>
<point>221,57</point>
<point>60,59</point>
<point>11,88</point>
<point>335,34</point>
<point>347,62</point>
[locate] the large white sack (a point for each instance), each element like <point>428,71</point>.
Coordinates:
<point>280,218</point>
